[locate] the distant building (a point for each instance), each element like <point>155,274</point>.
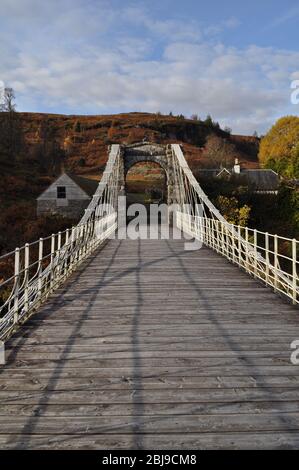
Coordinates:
<point>69,195</point>
<point>261,181</point>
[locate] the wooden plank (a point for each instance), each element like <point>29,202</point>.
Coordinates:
<point>186,441</point>
<point>149,424</point>
<point>150,346</point>
<point>40,381</point>
<point>141,396</point>
<point>141,372</point>
<point>148,409</point>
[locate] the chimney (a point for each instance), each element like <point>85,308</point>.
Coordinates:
<point>237,167</point>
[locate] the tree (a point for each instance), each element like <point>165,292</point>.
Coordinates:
<point>228,130</point>
<point>229,208</point>
<point>279,148</point>
<point>8,105</point>
<point>219,151</point>
<point>11,135</point>
<point>209,121</point>
<point>49,152</point>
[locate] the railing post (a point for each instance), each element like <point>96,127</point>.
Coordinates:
<point>211,233</point>
<point>82,237</point>
<point>239,245</point>
<point>73,244</point>
<point>66,261</point>
<point>58,257</point>
<point>222,239</point>
<point>233,242</point>
<point>52,261</point>
<point>246,248</point>
<point>255,251</point>
<point>275,262</point>
<point>17,285</point>
<point>26,278</point>
<point>267,256</point>
<point>294,270</point>
<point>40,266</point>
<point>217,236</point>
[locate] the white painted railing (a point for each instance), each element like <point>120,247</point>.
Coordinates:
<point>270,258</point>
<point>41,267</point>
<point>37,269</point>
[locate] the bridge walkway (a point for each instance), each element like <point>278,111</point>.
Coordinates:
<point>151,346</point>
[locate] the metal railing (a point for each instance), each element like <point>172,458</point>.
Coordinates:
<point>270,258</point>
<point>31,273</point>
<point>42,266</point>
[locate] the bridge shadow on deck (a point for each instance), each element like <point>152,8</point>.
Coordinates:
<point>138,431</point>
<point>43,403</point>
<point>233,345</point>
<point>136,380</point>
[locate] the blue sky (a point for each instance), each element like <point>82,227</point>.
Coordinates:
<point>232,59</point>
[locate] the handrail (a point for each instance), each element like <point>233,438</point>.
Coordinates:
<point>40,267</point>
<point>262,258</point>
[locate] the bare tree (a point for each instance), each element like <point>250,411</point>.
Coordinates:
<point>219,151</point>
<point>10,127</point>
<point>8,105</point>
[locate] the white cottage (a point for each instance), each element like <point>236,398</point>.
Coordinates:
<point>69,195</point>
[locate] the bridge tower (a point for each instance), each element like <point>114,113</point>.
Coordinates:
<point>149,152</point>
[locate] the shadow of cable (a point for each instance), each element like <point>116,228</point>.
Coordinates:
<point>29,427</point>
<point>245,361</point>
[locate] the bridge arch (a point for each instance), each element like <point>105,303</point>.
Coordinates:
<point>143,152</point>
<point>146,182</point>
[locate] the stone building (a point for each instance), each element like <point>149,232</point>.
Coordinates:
<point>69,195</point>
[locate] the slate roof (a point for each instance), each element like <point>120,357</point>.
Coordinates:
<point>261,179</point>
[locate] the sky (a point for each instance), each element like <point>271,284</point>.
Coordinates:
<point>233,60</point>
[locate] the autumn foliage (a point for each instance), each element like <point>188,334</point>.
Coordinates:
<point>279,149</point>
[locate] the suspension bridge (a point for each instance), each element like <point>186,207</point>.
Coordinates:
<point>118,343</point>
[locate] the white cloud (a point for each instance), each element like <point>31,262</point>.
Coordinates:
<point>289,14</point>
<point>94,57</point>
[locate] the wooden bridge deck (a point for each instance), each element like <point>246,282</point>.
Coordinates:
<point>150,346</point>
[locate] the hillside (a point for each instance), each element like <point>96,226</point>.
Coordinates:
<point>49,143</point>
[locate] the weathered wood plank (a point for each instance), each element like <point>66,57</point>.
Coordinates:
<point>149,424</point>
<point>174,441</point>
<point>147,396</point>
<point>150,346</point>
<point>146,372</point>
<point>40,381</point>
<point>148,409</point>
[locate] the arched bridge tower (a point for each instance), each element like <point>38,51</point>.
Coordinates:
<point>149,152</point>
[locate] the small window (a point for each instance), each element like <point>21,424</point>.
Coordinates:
<point>61,192</point>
